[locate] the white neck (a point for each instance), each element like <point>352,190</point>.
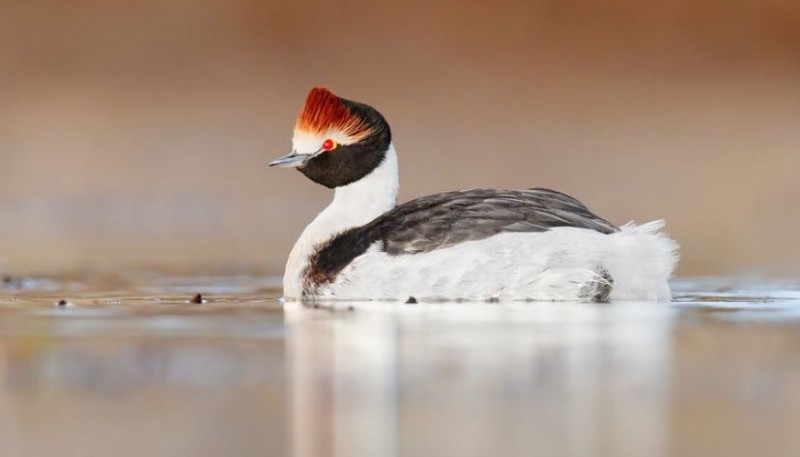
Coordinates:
<point>353,205</point>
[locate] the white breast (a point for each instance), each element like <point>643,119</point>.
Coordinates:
<point>353,205</point>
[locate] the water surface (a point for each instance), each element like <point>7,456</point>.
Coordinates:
<point>128,365</point>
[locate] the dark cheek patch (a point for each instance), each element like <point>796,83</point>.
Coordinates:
<point>346,164</point>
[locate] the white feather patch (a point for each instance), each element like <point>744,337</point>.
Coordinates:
<point>556,265</point>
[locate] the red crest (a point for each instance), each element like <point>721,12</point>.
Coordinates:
<point>324,112</point>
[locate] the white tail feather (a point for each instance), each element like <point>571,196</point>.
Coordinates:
<point>641,259</point>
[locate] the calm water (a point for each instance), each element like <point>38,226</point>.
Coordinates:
<point>129,366</point>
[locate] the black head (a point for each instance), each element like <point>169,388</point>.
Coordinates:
<point>337,141</point>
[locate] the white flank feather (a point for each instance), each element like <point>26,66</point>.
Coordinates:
<point>561,264</point>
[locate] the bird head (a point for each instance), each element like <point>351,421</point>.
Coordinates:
<point>336,141</point>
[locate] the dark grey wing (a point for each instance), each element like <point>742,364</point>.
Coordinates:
<point>440,220</point>
<point>445,219</point>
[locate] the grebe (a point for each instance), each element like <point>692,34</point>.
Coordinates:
<point>480,244</point>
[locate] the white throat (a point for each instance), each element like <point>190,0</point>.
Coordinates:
<point>353,205</point>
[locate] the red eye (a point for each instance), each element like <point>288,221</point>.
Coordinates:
<point>329,145</point>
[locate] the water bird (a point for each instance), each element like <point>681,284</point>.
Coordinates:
<point>479,244</point>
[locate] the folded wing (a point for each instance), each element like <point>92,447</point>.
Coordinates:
<point>445,219</point>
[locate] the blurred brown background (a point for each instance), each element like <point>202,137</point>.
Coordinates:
<point>136,134</point>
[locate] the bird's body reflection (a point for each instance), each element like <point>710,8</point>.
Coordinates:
<point>474,379</point>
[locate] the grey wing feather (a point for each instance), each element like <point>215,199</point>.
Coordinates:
<point>440,220</point>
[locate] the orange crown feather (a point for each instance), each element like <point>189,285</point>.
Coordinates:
<point>324,112</point>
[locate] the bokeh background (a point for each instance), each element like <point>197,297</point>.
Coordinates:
<point>136,134</point>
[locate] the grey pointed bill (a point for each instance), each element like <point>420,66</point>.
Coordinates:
<point>292,160</point>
